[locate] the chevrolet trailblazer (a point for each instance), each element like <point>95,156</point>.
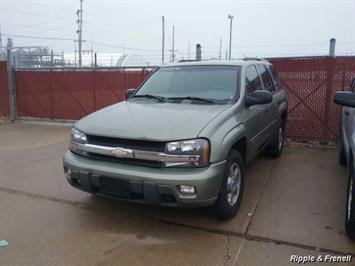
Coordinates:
<point>184,137</point>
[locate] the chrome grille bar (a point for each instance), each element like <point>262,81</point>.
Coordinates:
<point>120,152</point>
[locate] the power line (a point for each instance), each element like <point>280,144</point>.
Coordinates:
<point>68,39</point>
<point>125,47</point>
<point>283,45</point>
<point>35,27</point>
<point>51,29</point>
<point>37,37</point>
<point>46,5</point>
<point>38,14</point>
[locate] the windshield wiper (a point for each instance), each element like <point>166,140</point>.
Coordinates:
<point>159,98</point>
<point>192,98</point>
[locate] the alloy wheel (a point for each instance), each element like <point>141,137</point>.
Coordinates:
<point>280,138</point>
<point>233,184</point>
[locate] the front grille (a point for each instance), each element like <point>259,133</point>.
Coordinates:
<point>143,145</point>
<point>125,160</point>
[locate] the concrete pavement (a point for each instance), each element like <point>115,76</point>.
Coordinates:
<point>293,205</point>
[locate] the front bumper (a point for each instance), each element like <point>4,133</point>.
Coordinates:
<point>144,184</point>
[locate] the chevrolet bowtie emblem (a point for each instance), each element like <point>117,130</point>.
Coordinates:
<point>122,153</point>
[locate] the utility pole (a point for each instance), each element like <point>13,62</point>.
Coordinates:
<point>173,48</point>
<point>79,13</point>
<point>220,48</point>
<point>92,55</point>
<point>230,17</point>
<point>163,39</point>
<point>52,58</point>
<point>188,52</point>
<point>1,50</point>
<point>75,54</point>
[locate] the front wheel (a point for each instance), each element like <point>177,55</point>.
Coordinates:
<point>231,191</point>
<point>350,206</point>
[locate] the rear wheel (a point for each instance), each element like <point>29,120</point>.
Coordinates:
<point>276,146</point>
<point>231,190</point>
<point>350,206</point>
<point>342,157</point>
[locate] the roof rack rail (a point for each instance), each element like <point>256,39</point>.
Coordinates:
<point>187,60</point>
<point>253,58</point>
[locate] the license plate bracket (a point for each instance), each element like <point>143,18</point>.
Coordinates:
<point>115,186</point>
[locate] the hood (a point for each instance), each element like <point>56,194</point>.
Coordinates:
<point>150,120</point>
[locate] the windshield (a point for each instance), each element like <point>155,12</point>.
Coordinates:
<point>218,83</point>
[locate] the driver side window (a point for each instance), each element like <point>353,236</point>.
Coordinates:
<point>252,81</point>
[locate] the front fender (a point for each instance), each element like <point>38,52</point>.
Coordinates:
<point>224,145</point>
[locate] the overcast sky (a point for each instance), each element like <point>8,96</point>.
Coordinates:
<point>260,28</point>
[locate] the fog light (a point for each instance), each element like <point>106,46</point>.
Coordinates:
<point>187,189</point>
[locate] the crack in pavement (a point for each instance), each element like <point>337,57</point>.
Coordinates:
<point>227,257</point>
<point>268,176</point>
<point>239,251</point>
<point>243,236</point>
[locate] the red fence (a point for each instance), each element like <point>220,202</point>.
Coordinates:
<point>4,96</point>
<point>71,94</point>
<point>310,84</point>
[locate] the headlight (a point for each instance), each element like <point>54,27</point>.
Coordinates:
<point>78,137</point>
<point>200,147</point>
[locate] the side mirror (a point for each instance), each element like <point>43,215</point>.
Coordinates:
<point>345,98</point>
<point>259,97</point>
<point>352,84</point>
<point>129,93</point>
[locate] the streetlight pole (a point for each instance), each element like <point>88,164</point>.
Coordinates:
<point>230,17</point>
<point>163,40</point>
<point>173,47</point>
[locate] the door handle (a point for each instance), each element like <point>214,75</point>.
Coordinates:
<point>346,113</point>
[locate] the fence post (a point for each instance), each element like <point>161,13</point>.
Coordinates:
<point>330,67</point>
<point>51,92</point>
<point>94,88</point>
<point>11,87</point>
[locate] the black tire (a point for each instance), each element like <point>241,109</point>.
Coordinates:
<point>275,148</point>
<point>222,209</point>
<point>342,156</point>
<point>350,206</point>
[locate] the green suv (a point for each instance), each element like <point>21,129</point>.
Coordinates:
<point>183,138</point>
